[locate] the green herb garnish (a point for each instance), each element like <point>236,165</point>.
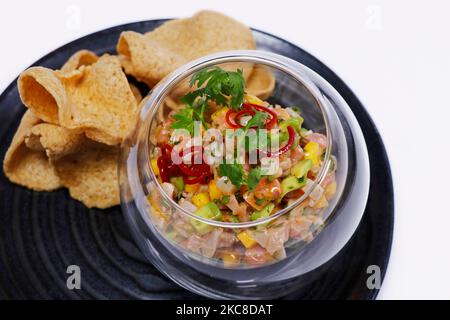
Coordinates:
<point>225,200</point>
<point>253,178</point>
<point>214,84</point>
<point>184,119</point>
<point>257,120</point>
<point>219,85</point>
<point>234,172</point>
<point>260,202</point>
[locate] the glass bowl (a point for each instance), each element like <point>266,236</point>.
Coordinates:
<point>321,230</point>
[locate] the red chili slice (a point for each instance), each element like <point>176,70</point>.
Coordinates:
<point>166,169</point>
<point>166,149</point>
<point>248,109</point>
<point>242,113</point>
<point>203,178</point>
<point>286,147</point>
<point>228,119</point>
<point>193,169</point>
<point>273,119</point>
<point>194,173</point>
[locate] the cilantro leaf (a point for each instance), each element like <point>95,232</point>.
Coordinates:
<point>213,84</point>
<point>218,86</point>
<point>199,107</point>
<point>184,120</point>
<point>253,178</point>
<point>256,121</point>
<point>235,88</point>
<point>234,172</point>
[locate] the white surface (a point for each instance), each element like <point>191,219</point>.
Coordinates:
<point>395,55</point>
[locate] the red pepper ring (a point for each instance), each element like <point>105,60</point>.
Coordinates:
<point>248,109</point>
<point>166,149</point>
<point>167,168</point>
<point>273,119</point>
<point>285,148</point>
<point>194,169</point>
<point>241,113</point>
<point>162,168</point>
<point>203,178</point>
<point>228,119</point>
<point>177,156</point>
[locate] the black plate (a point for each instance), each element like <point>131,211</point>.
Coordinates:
<point>41,233</point>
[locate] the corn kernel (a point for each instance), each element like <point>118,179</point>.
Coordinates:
<point>313,152</point>
<point>253,99</point>
<point>155,166</point>
<point>216,115</point>
<point>155,209</point>
<point>200,199</point>
<point>214,192</point>
<point>230,259</point>
<point>246,239</point>
<point>191,187</point>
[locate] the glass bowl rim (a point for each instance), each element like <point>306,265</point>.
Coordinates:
<point>276,61</point>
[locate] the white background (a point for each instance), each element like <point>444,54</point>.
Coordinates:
<point>395,55</point>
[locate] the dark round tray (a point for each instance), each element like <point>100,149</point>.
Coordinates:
<point>42,233</point>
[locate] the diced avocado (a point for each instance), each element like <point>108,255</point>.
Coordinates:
<point>209,211</point>
<point>263,213</point>
<point>224,200</point>
<point>303,132</point>
<point>260,202</point>
<point>171,235</point>
<point>200,227</point>
<point>296,123</point>
<point>291,183</point>
<point>178,182</point>
<point>281,136</point>
<point>302,168</point>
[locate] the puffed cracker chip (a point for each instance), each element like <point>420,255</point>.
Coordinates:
<point>150,57</point>
<point>27,167</point>
<point>54,140</point>
<point>91,175</point>
<point>96,99</point>
<point>78,59</point>
<point>136,93</point>
<point>261,83</point>
<point>42,92</point>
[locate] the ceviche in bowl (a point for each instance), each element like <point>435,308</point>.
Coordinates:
<point>278,166</point>
<point>240,164</point>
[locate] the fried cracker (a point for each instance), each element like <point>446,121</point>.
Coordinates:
<point>91,175</point>
<point>150,57</point>
<point>261,83</point>
<point>27,167</point>
<point>96,99</point>
<point>54,140</point>
<point>78,59</point>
